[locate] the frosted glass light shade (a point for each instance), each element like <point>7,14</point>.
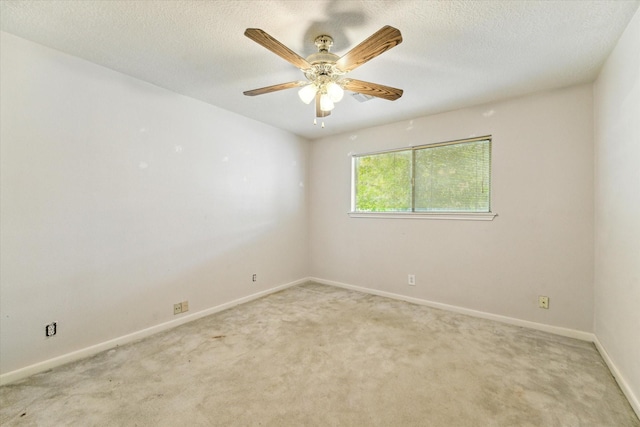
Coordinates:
<point>308,93</point>
<point>335,92</point>
<point>326,104</point>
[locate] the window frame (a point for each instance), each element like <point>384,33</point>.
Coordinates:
<point>413,214</point>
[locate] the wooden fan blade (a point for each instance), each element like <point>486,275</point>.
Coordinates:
<point>381,41</point>
<point>373,89</point>
<point>276,47</point>
<point>274,88</point>
<point>319,112</point>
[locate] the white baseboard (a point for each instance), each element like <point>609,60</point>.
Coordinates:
<point>566,332</point>
<point>27,371</point>
<point>624,386</point>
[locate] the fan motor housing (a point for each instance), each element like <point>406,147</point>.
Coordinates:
<point>323,62</point>
<point>322,57</point>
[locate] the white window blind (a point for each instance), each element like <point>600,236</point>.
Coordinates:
<point>453,177</point>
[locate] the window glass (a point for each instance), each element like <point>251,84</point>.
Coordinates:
<point>383,182</point>
<point>453,178</point>
<point>447,177</point>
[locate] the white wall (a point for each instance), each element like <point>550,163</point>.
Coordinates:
<point>119,198</point>
<point>540,244</point>
<point>617,209</point>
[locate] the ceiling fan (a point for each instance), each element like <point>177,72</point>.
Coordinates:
<point>325,71</point>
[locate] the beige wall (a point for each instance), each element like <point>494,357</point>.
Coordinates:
<point>540,244</point>
<point>120,198</point>
<point>617,212</point>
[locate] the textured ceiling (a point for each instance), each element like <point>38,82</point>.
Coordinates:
<point>454,53</point>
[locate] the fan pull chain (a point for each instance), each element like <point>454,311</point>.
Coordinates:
<point>315,122</point>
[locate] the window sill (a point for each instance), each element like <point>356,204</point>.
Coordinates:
<point>458,216</point>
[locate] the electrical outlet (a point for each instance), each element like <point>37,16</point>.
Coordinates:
<point>177,308</point>
<point>412,280</point>
<point>254,278</point>
<point>185,306</point>
<point>50,329</point>
<point>543,302</point>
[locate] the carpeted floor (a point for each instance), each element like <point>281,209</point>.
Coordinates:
<point>316,355</point>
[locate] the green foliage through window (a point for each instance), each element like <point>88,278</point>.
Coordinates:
<point>447,177</point>
<point>384,182</point>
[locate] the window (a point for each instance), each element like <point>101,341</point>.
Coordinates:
<point>449,177</point>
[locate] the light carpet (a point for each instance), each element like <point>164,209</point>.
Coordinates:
<point>316,355</point>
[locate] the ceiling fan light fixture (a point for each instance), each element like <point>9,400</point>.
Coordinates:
<point>335,92</point>
<point>308,93</point>
<point>326,104</point>
<point>325,70</point>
